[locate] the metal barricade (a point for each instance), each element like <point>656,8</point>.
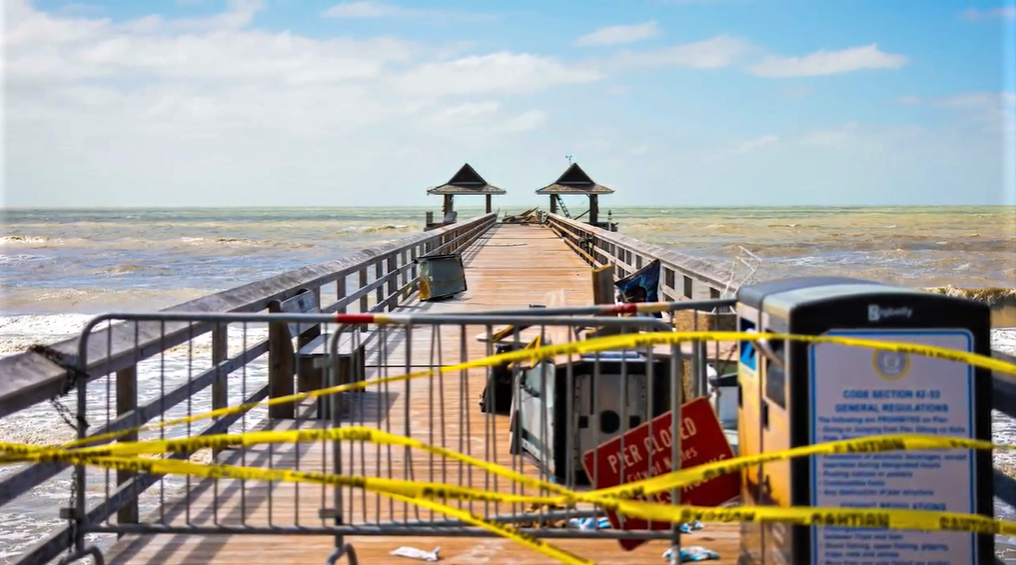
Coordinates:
<point>187,364</point>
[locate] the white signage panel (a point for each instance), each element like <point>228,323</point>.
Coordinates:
<point>857,392</point>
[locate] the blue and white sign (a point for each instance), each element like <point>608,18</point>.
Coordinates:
<point>857,392</point>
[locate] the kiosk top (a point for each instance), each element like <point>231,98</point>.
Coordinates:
<point>754,295</point>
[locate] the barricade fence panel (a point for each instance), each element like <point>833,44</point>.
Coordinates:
<point>576,421</point>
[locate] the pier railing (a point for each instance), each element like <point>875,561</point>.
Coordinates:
<point>682,276</point>
<point>373,280</point>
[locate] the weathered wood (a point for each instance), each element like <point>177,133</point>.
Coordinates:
<point>30,378</point>
<point>281,365</point>
<point>603,285</point>
<point>706,273</point>
<point>442,411</point>
<point>220,353</point>
<point>127,401</point>
<point>340,293</point>
<point>393,283</point>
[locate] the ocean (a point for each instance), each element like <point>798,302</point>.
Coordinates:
<point>59,267</point>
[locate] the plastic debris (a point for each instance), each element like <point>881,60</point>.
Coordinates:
<point>419,554</point>
<point>693,554</point>
<point>692,527</point>
<point>602,523</point>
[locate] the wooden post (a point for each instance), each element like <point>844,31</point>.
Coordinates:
<point>594,209</point>
<point>403,274</point>
<point>490,203</point>
<point>553,204</point>
<point>126,401</point>
<point>413,254</point>
<point>603,285</point>
<point>379,292</point>
<point>280,365</point>
<point>393,283</point>
<point>340,292</point>
<point>448,206</point>
<point>220,388</point>
<point>363,299</point>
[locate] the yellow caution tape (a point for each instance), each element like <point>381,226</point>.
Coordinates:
<point>611,499</point>
<point>411,492</point>
<point>871,444</point>
<point>594,345</point>
<point>504,530</point>
<point>644,488</point>
<point>421,493</point>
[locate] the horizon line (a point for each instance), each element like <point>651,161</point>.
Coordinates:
<point>424,207</point>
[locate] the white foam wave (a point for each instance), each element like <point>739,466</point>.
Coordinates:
<point>382,227</point>
<point>1004,340</point>
<point>22,240</point>
<point>20,258</point>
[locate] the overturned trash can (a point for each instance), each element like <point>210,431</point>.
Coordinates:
<point>441,276</point>
<point>795,394</point>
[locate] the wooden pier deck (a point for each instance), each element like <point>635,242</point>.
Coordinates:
<point>505,268</point>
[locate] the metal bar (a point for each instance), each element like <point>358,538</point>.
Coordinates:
<point>48,549</point>
<point>33,476</point>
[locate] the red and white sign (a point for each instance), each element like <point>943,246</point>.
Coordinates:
<point>650,454</point>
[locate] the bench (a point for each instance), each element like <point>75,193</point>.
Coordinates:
<point>312,354</point>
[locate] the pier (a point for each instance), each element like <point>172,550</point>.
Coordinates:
<point>225,521</point>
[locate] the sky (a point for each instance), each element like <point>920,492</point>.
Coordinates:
<point>354,103</point>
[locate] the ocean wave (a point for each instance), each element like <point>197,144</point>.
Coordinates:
<point>23,240</point>
<point>380,228</point>
<point>25,299</point>
<point>1004,340</point>
<point>990,296</point>
<point>21,258</point>
<point>241,242</point>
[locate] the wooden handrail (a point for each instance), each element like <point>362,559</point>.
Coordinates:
<point>710,279</point>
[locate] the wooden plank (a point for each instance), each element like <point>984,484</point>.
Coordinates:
<point>441,410</point>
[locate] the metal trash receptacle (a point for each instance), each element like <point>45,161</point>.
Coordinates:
<point>794,394</point>
<point>441,276</point>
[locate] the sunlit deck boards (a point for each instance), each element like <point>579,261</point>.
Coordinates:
<point>511,267</point>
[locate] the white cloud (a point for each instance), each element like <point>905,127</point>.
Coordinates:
<point>1003,13</point>
<point>370,9</point>
<point>758,143</point>
<point>496,72</point>
<point>185,106</point>
<point>994,111</point>
<point>839,136</point>
<point>480,118</point>
<point>620,34</point>
<point>717,52</point>
<point>825,62</point>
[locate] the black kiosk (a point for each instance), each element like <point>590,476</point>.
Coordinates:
<point>794,394</point>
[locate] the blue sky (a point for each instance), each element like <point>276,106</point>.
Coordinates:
<point>670,102</point>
